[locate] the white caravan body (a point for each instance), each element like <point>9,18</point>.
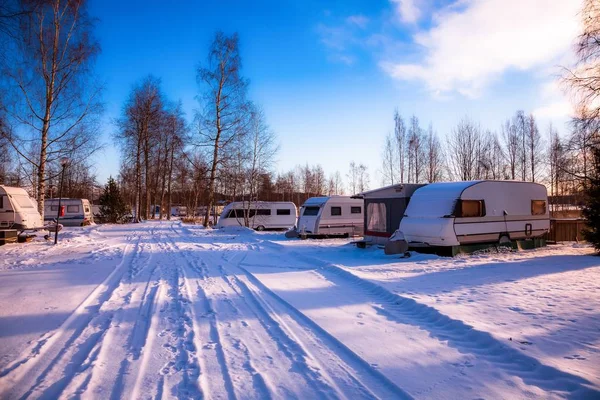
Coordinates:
<point>18,210</point>
<point>462,213</point>
<point>78,212</point>
<point>179,211</point>
<point>261,215</point>
<point>331,216</point>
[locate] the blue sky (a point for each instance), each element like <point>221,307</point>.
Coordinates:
<point>329,74</point>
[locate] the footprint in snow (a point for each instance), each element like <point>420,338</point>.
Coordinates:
<point>575,357</point>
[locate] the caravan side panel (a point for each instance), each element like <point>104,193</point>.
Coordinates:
<point>515,199</point>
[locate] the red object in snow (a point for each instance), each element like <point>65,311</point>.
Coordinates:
<point>62,211</point>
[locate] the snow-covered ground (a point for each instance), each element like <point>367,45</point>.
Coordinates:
<point>165,310</point>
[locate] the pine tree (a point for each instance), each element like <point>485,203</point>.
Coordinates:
<point>591,210</point>
<point>113,208</point>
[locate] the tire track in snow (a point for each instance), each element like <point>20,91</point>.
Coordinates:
<point>79,337</point>
<point>161,353</point>
<point>237,355</point>
<point>212,360</point>
<point>456,333</point>
<point>302,360</point>
<point>126,336</point>
<point>358,372</point>
<point>328,365</point>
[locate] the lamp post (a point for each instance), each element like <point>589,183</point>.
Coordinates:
<point>63,162</point>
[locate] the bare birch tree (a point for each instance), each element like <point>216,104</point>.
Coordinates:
<point>521,127</point>
<point>400,136</point>
<point>54,96</point>
<point>434,158</point>
<point>353,177</point>
<point>223,100</point>
<point>362,178</point>
<point>388,161</point>
<point>584,78</point>
<point>511,142</point>
<point>462,146</point>
<point>139,127</point>
<point>534,144</point>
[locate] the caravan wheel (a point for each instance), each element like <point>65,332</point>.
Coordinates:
<point>260,228</point>
<point>504,239</point>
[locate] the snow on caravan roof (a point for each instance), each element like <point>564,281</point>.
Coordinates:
<point>436,199</point>
<point>315,201</point>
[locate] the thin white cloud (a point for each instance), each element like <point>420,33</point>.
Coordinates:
<point>408,10</point>
<point>470,46</point>
<point>358,20</point>
<point>561,109</point>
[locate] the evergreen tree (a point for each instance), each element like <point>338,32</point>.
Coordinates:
<point>591,210</point>
<point>113,208</point>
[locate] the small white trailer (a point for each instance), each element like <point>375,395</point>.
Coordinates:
<point>76,212</point>
<point>452,214</point>
<point>18,211</point>
<point>331,216</point>
<point>261,215</point>
<point>19,215</point>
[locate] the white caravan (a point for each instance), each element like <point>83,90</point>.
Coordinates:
<point>261,215</point>
<point>77,212</point>
<point>464,213</point>
<point>331,216</point>
<point>18,211</point>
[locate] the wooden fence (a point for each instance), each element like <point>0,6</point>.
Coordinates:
<point>566,230</point>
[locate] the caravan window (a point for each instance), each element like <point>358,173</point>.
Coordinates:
<point>284,211</point>
<point>53,208</point>
<point>470,208</point>
<point>23,201</point>
<point>235,214</point>
<point>311,211</point>
<point>260,212</point>
<point>355,210</point>
<point>376,217</point>
<point>538,207</point>
<point>336,211</point>
<point>72,209</point>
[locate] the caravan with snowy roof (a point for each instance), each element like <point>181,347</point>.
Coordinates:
<point>464,213</point>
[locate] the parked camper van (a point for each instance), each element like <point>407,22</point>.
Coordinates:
<point>18,211</point>
<point>77,212</point>
<point>384,209</point>
<point>331,216</point>
<point>465,213</point>
<point>262,215</point>
<point>179,211</point>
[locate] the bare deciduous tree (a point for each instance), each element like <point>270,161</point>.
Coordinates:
<point>434,158</point>
<point>139,128</point>
<point>224,104</point>
<point>353,178</point>
<point>584,78</point>
<point>54,98</point>
<point>400,136</point>
<point>534,143</point>
<point>462,150</point>
<point>511,142</point>
<point>388,161</point>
